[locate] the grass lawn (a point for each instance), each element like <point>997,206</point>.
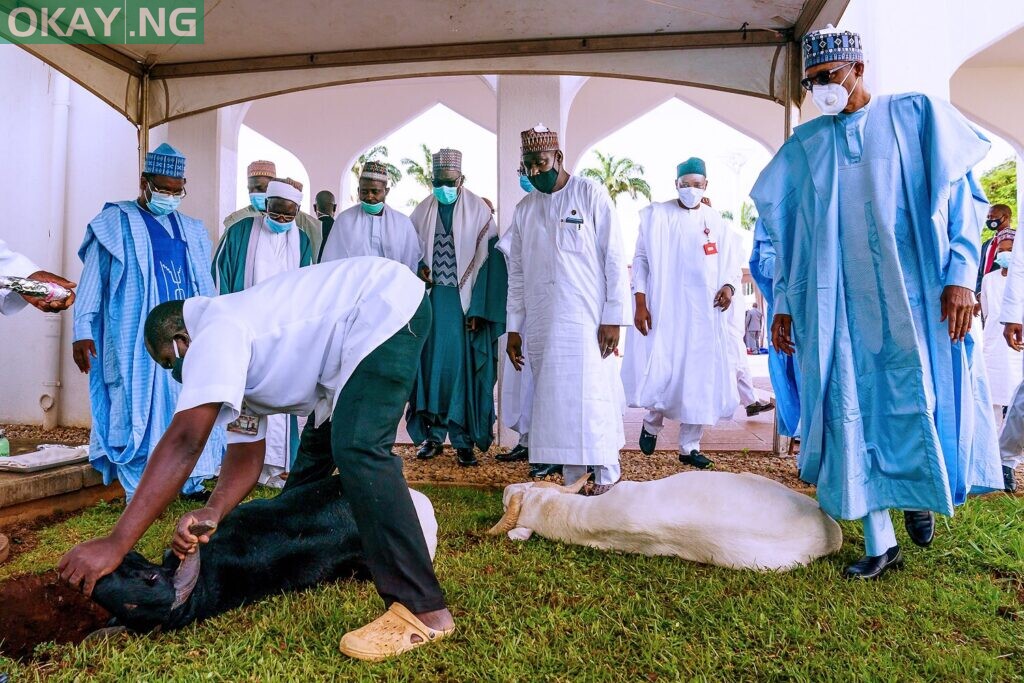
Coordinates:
<point>542,611</point>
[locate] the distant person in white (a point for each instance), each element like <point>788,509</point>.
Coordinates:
<point>14,264</point>
<point>1011,315</point>
<point>338,340</point>
<point>372,228</point>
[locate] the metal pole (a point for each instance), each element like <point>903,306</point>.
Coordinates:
<point>143,119</point>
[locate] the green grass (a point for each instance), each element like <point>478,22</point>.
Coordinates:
<point>542,611</point>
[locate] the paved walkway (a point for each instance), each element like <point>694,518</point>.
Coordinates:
<point>739,433</point>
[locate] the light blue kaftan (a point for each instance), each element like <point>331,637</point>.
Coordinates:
<point>132,398</point>
<point>782,369</point>
<point>872,215</point>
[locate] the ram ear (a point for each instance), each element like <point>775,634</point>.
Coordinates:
<point>510,520</point>
<point>185,578</point>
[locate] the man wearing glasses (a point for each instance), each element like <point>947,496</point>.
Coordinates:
<point>255,249</point>
<point>453,395</point>
<point>137,254</point>
<point>876,217</point>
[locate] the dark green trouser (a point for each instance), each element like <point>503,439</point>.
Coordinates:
<point>358,441</point>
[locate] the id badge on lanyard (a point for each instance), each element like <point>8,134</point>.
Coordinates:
<point>710,248</point>
<point>247,424</point>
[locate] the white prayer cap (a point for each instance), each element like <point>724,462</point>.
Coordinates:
<point>283,190</point>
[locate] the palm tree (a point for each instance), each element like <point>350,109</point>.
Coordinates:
<point>619,176</point>
<point>748,216</point>
<point>420,171</point>
<point>377,153</point>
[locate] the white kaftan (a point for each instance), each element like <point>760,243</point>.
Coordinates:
<point>289,344</point>
<point>390,235</point>
<point>1004,365</point>
<point>685,368</point>
<point>567,276</point>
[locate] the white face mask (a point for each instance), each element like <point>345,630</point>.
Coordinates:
<point>690,196</point>
<point>832,98</point>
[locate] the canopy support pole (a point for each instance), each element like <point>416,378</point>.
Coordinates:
<point>787,94</point>
<point>143,119</point>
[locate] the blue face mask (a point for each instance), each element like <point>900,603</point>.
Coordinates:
<point>258,200</point>
<point>160,204</point>
<point>278,227</point>
<point>524,182</point>
<point>1003,259</point>
<point>446,195</point>
<point>373,209</point>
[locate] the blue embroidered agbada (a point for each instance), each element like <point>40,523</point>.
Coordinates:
<point>782,369</point>
<point>872,214</point>
<point>133,399</point>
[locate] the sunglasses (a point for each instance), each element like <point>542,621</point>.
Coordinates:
<point>445,183</point>
<point>821,78</point>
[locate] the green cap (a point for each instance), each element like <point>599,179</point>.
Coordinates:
<point>691,165</point>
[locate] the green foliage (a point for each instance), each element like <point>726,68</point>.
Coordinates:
<point>547,611</point>
<point>619,176</point>
<point>1000,185</point>
<point>748,216</point>
<point>727,215</point>
<point>421,171</point>
<point>377,153</point>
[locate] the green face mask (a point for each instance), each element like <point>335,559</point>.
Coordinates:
<point>373,209</point>
<point>545,180</point>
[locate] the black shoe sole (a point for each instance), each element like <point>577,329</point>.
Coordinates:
<point>895,566</point>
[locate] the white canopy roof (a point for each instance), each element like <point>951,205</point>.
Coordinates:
<point>259,48</point>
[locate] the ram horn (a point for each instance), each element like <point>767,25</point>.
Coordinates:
<point>187,573</point>
<point>569,488</point>
<point>510,520</point>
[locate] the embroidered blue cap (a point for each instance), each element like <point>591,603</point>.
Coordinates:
<point>831,45</point>
<point>165,160</point>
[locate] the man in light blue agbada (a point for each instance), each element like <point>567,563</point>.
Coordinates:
<point>138,254</point>
<point>876,219</point>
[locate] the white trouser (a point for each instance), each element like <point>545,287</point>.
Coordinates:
<point>603,474</point>
<point>745,384</point>
<point>524,439</point>
<point>689,435</point>
<point>879,534</point>
<point>271,476</point>
<point>1011,439</point>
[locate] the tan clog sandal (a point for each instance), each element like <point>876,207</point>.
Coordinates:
<point>388,635</point>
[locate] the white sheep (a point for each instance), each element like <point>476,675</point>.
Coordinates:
<point>740,521</point>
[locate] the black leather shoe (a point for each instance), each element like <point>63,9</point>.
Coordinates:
<point>869,567</point>
<point>696,459</point>
<point>517,454</point>
<point>540,470</point>
<point>760,407</point>
<point>1009,480</point>
<point>920,525</point>
<point>466,457</point>
<point>196,497</point>
<point>430,449</point>
<point>648,441</point>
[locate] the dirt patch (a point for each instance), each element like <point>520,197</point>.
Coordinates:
<point>635,467</point>
<point>24,536</point>
<point>72,436</point>
<point>39,608</point>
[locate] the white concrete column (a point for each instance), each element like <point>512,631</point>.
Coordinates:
<point>210,168</point>
<point>523,101</point>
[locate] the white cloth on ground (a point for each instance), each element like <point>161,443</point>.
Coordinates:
<point>390,235</point>
<point>567,276</point>
<point>289,345</point>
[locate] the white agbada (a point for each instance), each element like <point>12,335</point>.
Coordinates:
<point>13,264</point>
<point>1004,365</point>
<point>289,344</point>
<point>516,386</point>
<point>473,227</point>
<point>565,279</point>
<point>273,253</point>
<point>390,235</point>
<point>685,367</point>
